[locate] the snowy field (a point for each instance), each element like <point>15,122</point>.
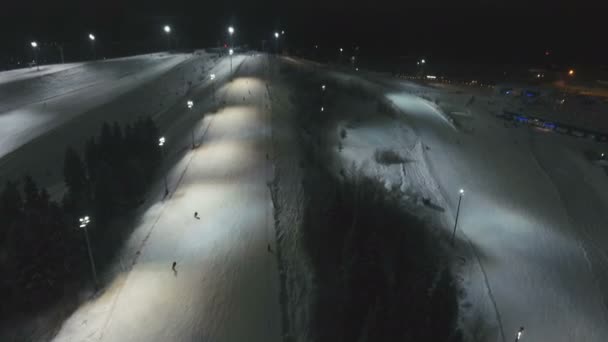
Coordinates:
<point>531,239</point>
<point>531,242</point>
<point>66,107</point>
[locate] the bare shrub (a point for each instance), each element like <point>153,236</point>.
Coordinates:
<point>388,157</point>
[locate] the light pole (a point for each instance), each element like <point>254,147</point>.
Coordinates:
<point>167,30</point>
<point>230,33</point>
<point>92,39</point>
<point>461,192</point>
<point>231,52</point>
<point>161,143</point>
<point>322,95</point>
<point>190,104</point>
<point>212,78</point>
<point>35,48</point>
<point>341,50</point>
<point>276,42</point>
<point>84,221</point>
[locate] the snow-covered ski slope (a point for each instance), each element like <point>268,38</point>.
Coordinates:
<point>528,215</point>
<point>41,115</point>
<point>533,213</point>
<point>225,287</point>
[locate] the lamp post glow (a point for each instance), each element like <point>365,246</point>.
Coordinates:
<point>84,221</point>
<point>190,104</point>
<point>212,78</point>
<point>167,30</point>
<point>161,143</point>
<point>92,40</point>
<point>276,35</point>
<point>230,52</point>
<point>461,192</point>
<point>35,47</point>
<point>231,33</point>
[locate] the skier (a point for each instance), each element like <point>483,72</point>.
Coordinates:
<point>173,267</point>
<point>269,249</point>
<point>196,215</point>
<point>519,333</point>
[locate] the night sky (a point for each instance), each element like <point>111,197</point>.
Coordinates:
<point>474,31</point>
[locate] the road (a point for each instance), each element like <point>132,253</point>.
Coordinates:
<point>226,284</point>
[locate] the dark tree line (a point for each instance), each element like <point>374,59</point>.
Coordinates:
<point>41,248</point>
<point>114,172</point>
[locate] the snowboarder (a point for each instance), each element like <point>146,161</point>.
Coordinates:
<point>173,266</point>
<point>196,215</point>
<point>269,249</point>
<point>519,333</point>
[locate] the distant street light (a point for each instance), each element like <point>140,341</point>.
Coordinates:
<point>212,77</point>
<point>341,50</point>
<point>231,33</point>
<point>461,192</point>
<point>190,104</point>
<point>230,52</point>
<point>167,30</point>
<point>161,143</point>
<point>323,87</point>
<point>35,48</point>
<point>92,40</point>
<point>571,72</point>
<point>276,35</point>
<point>282,32</point>
<point>422,61</point>
<point>84,221</point>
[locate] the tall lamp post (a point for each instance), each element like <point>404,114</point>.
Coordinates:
<point>230,33</point>
<point>212,78</point>
<point>231,52</point>
<point>92,40</point>
<point>167,30</point>
<point>276,42</point>
<point>35,48</point>
<point>461,192</point>
<point>161,143</point>
<point>84,221</point>
<point>190,104</point>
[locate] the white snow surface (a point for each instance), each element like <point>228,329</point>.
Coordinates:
<point>49,113</point>
<point>531,238</point>
<point>534,250</point>
<point>225,287</point>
